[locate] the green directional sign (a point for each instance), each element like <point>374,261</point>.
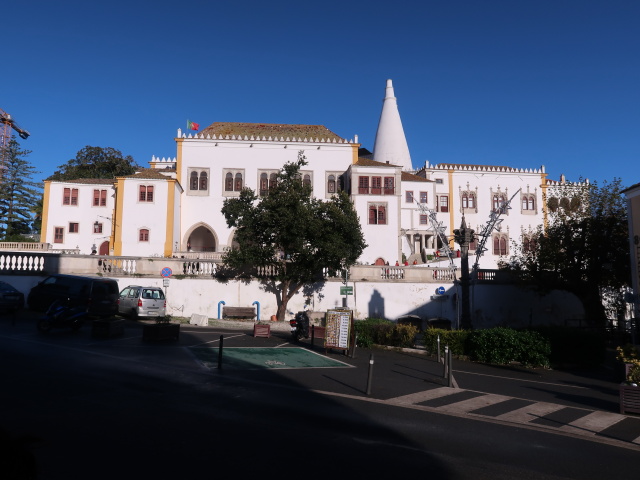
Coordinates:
<point>346,290</point>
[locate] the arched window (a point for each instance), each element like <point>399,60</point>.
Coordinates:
<point>306,179</point>
<point>264,184</point>
<point>238,184</point>
<point>228,182</point>
<point>193,181</point>
<point>273,180</point>
<point>500,242</point>
<point>204,183</point>
<point>331,184</point>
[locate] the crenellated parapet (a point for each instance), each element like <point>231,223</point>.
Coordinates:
<point>482,168</point>
<point>263,138</point>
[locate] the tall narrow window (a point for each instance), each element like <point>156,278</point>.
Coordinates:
<point>58,235</point>
<point>238,183</point>
<point>423,197</point>
<point>306,179</point>
<point>193,181</point>
<point>273,180</point>
<point>66,197</point>
<point>389,186</point>
<point>331,184</point>
<point>264,184</point>
<point>443,203</point>
<point>376,185</point>
<point>74,196</point>
<point>144,235</point>
<point>204,182</point>
<point>363,185</point>
<point>408,197</point>
<point>228,182</point>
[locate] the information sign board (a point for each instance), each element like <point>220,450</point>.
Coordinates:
<point>338,328</point>
<point>346,290</point>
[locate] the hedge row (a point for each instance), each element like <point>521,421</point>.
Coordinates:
<point>536,347</point>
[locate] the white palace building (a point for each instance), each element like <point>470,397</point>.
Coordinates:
<point>173,208</point>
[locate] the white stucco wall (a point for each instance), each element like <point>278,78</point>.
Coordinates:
<point>84,213</point>
<point>250,157</point>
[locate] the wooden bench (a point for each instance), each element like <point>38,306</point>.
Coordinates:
<point>238,312</point>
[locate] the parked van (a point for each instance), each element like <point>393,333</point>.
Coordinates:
<point>100,295</point>
<point>136,301</point>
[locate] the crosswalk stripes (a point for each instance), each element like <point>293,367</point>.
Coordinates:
<point>513,410</point>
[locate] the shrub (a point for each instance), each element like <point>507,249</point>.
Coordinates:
<point>505,345</point>
<point>455,339</point>
<point>384,332</point>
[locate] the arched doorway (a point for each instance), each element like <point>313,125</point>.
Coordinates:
<point>104,248</point>
<point>201,240</point>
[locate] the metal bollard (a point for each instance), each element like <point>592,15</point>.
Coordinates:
<point>370,374</point>
<point>439,359</point>
<point>220,353</point>
<point>450,363</point>
<point>445,364</point>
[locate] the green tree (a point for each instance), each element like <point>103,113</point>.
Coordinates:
<point>96,162</point>
<point>18,193</point>
<point>584,249</point>
<point>289,239</point>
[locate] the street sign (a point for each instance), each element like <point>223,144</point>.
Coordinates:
<point>166,272</point>
<point>346,290</point>
<point>165,282</point>
<point>440,290</point>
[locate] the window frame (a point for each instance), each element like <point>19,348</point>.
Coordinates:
<point>408,196</point>
<point>376,210</point>
<point>143,235</point>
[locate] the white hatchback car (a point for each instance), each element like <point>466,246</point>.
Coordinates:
<point>141,302</point>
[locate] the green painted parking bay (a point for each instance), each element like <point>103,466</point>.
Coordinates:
<point>249,358</point>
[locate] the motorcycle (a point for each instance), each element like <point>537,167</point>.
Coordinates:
<point>61,314</point>
<point>299,326</point>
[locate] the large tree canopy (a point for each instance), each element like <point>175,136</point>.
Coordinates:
<point>18,193</point>
<point>96,162</point>
<point>289,238</point>
<point>584,249</point>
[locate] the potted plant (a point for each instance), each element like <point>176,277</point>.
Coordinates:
<point>629,388</point>
<point>162,329</point>
<point>627,354</point>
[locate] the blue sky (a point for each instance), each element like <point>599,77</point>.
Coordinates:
<point>502,82</point>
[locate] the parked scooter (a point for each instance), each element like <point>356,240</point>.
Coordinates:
<point>61,314</point>
<point>299,326</point>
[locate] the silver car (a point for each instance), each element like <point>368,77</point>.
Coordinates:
<point>141,302</point>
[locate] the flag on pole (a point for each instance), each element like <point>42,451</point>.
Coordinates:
<point>192,126</point>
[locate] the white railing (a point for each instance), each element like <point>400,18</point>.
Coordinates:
<point>21,263</point>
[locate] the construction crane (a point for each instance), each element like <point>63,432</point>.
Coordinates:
<point>7,124</point>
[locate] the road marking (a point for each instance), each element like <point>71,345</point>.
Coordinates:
<point>530,412</point>
<point>593,423</point>
<point>474,403</point>
<point>418,397</point>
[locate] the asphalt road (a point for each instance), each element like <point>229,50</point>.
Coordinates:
<point>124,408</point>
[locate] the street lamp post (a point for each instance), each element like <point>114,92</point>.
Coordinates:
<point>463,237</point>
